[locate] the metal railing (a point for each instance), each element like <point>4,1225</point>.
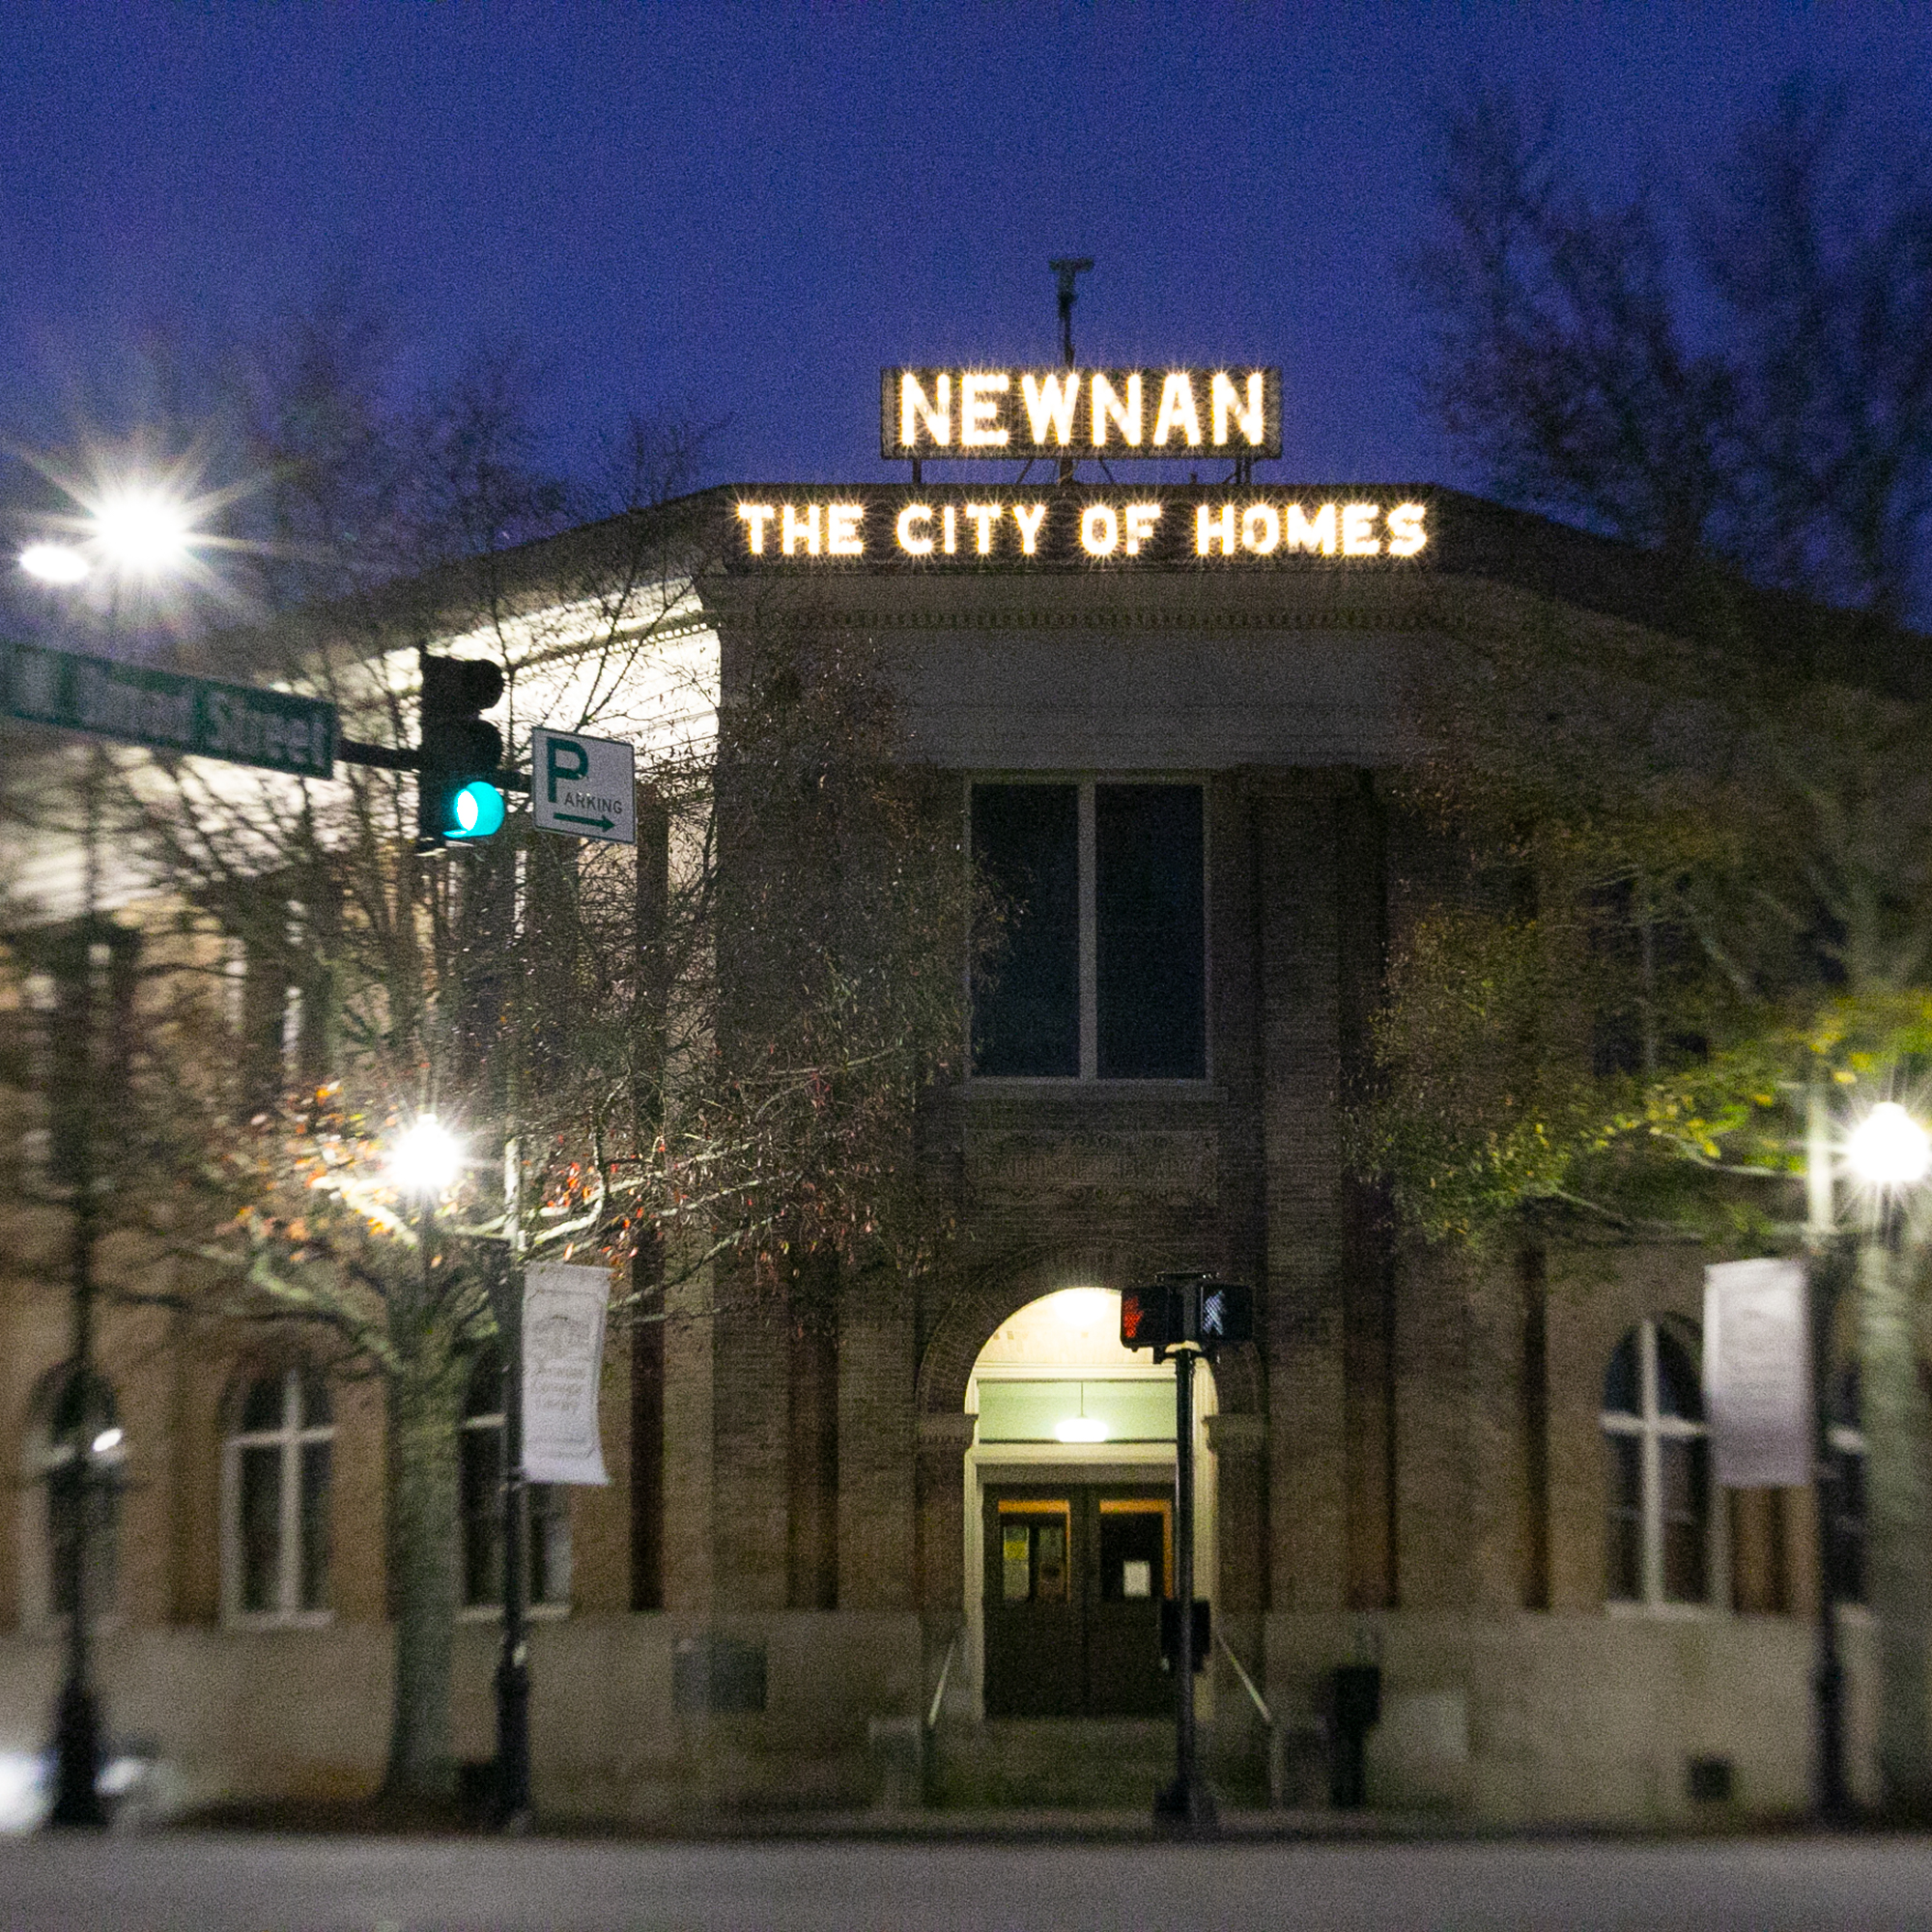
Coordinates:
<point>1247,1682</point>
<point>939,1689</point>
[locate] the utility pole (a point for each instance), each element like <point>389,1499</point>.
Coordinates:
<point>1067,270</point>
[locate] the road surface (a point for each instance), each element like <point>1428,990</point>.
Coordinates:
<point>266,1883</point>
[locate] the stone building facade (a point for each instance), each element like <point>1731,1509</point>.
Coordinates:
<point>830,1548</point>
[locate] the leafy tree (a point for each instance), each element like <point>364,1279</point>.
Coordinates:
<point>1697,900</point>
<point>707,1053</point>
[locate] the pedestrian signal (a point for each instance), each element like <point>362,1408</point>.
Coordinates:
<point>1226,1314</point>
<point>1145,1316</point>
<point>1187,1308</point>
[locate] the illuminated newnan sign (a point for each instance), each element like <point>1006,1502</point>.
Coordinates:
<point>1198,525</point>
<point>1002,414</point>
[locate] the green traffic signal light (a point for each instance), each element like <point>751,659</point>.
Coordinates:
<point>477,809</point>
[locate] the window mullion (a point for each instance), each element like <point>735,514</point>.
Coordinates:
<point>1090,941</point>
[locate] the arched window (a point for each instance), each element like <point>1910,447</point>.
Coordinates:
<point>1657,1479</point>
<point>481,1477</point>
<point>1845,1519</point>
<point>275,1491</point>
<point>76,1453</point>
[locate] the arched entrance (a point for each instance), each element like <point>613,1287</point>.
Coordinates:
<point>1067,1517</point>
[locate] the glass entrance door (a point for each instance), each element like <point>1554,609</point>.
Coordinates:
<point>1076,1574</point>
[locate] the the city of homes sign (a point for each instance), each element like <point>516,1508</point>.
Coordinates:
<point>1064,417</point>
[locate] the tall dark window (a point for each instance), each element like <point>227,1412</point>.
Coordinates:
<point>480,1494</point>
<point>1658,1479</point>
<point>1149,966</point>
<point>1025,1014</point>
<point>277,1497</point>
<point>1102,972</point>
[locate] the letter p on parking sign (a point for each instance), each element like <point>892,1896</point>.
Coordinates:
<point>583,786</point>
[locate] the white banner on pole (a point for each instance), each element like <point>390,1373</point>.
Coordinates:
<point>564,1364</point>
<point>1757,1374</point>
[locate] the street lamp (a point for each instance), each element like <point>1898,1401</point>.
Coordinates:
<point>137,531</point>
<point>55,563</point>
<point>426,1160</point>
<point>1889,1151</point>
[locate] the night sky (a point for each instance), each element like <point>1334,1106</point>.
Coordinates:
<point>746,211</point>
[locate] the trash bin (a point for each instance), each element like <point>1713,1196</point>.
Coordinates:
<point>1355,1710</point>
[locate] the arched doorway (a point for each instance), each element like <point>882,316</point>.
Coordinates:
<point>1069,1513</point>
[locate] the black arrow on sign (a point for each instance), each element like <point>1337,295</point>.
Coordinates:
<point>571,819</point>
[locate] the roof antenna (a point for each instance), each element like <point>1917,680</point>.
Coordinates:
<point>1065,270</point>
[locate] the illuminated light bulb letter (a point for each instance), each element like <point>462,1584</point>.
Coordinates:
<point>1106,402</point>
<point>978,410</point>
<point>1100,529</point>
<point>1141,519</point>
<point>1260,528</point>
<point>1210,529</point>
<point>1049,405</point>
<point>1358,530</point>
<point>1319,535</point>
<point>950,544</point>
<point>914,408</point>
<point>792,532</point>
<point>1176,410</point>
<point>841,529</point>
<point>1407,534</point>
<point>1029,517</point>
<point>755,517</point>
<point>984,516</point>
<point>1224,400</point>
<point>914,513</point>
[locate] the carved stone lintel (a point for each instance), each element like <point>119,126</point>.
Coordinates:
<point>1175,1166</point>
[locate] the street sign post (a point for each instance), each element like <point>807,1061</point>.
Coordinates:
<point>168,711</point>
<point>584,786</point>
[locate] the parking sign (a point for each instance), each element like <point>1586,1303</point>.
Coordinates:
<point>583,786</point>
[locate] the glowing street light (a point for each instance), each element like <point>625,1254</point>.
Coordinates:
<point>141,530</point>
<point>1888,1149</point>
<point>427,1160</point>
<point>55,563</point>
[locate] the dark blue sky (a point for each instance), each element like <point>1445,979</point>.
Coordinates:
<point>749,209</point>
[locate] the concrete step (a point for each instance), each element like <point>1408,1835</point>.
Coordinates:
<point>1096,1763</point>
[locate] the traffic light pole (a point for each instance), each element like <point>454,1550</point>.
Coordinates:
<point>513,1669</point>
<point>1187,1804</point>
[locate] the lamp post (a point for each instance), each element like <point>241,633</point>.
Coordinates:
<point>513,1666</point>
<point>134,532</point>
<point>1833,1789</point>
<point>1890,1152</point>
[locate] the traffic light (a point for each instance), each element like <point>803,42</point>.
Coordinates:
<point>1146,1318</point>
<point>459,753</point>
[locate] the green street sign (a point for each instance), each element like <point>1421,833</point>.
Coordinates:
<point>168,712</point>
